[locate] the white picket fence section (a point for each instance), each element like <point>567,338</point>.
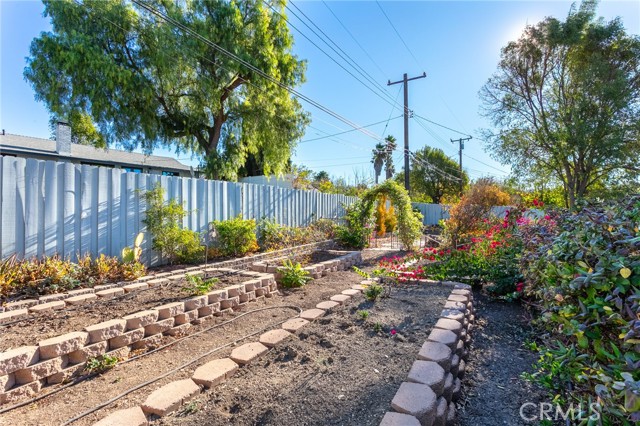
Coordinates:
<point>49,207</point>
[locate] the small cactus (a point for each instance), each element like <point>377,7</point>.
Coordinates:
<point>132,254</point>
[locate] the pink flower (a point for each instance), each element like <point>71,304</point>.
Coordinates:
<point>547,217</point>
<point>393,332</point>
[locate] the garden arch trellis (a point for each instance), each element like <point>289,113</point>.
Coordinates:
<point>409,222</point>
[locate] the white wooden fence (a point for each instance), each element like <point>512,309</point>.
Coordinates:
<point>49,207</point>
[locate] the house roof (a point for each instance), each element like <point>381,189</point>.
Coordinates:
<point>24,145</point>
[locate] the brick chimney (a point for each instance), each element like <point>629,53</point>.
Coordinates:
<point>63,139</point>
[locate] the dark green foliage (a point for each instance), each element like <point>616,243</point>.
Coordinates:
<point>355,232</point>
<point>119,75</point>
<point>584,273</point>
<point>235,237</point>
<point>163,221</point>
<point>293,275</point>
<point>435,187</point>
<point>373,292</point>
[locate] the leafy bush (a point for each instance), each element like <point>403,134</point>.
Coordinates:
<point>465,217</point>
<point>235,237</point>
<point>293,275</point>
<point>163,220</point>
<point>583,270</point>
<point>354,233</point>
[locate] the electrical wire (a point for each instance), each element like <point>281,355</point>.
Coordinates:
<point>351,130</point>
<point>353,38</point>
<point>258,71</point>
<point>399,36</point>
<point>374,91</point>
<point>345,56</point>
<point>441,125</point>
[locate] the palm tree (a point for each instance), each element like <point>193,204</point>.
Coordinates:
<point>391,146</point>
<point>378,159</point>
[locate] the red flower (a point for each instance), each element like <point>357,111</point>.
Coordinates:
<point>393,332</point>
<point>547,217</point>
<point>519,287</point>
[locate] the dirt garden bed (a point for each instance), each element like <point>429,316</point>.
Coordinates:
<point>322,356</point>
<point>493,389</point>
<point>338,370</point>
<point>40,326</point>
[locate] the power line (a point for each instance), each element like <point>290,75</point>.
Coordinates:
<point>346,56</point>
<point>353,38</point>
<point>391,112</point>
<point>441,125</point>
<point>253,68</point>
<point>377,93</point>
<point>488,165</point>
<point>352,130</point>
<point>399,36</point>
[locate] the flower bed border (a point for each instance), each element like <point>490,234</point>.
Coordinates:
<point>344,260</point>
<point>16,310</point>
<point>24,370</point>
<point>433,383</point>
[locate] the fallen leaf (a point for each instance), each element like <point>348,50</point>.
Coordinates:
<point>625,272</point>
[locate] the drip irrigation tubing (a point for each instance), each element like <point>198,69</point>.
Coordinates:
<point>121,297</point>
<point>148,382</point>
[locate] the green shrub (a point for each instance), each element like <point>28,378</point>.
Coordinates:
<point>163,221</point>
<point>354,233</point>
<point>582,269</point>
<point>196,285</point>
<point>293,275</point>
<point>235,237</point>
<point>373,292</point>
<point>364,314</point>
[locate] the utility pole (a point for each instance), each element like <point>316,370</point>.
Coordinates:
<point>405,82</point>
<point>461,142</point>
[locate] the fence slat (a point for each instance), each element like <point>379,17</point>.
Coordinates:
<point>49,207</point>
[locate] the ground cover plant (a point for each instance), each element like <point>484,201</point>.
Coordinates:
<point>582,270</point>
<point>53,274</point>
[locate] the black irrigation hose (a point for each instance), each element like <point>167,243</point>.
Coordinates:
<point>82,379</point>
<point>120,298</point>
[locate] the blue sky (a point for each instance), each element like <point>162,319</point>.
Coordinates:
<point>457,43</point>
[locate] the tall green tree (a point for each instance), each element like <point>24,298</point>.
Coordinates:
<point>565,100</point>
<point>378,157</point>
<point>122,75</point>
<point>435,176</point>
<point>391,146</point>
